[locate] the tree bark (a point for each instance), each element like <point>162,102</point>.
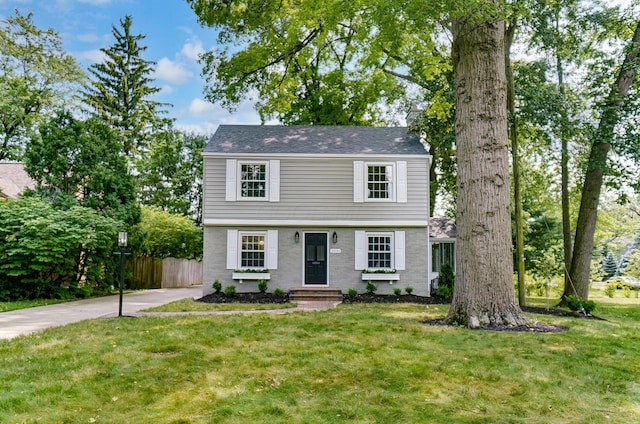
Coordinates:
<point>596,167</point>
<point>515,159</point>
<point>483,292</point>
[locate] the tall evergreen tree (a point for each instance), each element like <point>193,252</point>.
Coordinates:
<point>121,91</point>
<point>609,265</point>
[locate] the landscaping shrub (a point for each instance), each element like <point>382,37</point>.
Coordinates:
<point>397,291</point>
<point>352,293</point>
<point>577,305</point>
<point>278,292</point>
<point>371,288</point>
<point>446,280</point>
<point>217,286</point>
<point>408,289</point>
<point>262,286</point>
<point>230,291</point>
<point>610,289</point>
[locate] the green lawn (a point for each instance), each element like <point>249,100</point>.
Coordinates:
<point>355,363</point>
<point>190,305</point>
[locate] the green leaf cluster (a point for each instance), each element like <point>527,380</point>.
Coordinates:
<point>48,252</point>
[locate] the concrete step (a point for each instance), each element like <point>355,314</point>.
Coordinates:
<point>315,294</point>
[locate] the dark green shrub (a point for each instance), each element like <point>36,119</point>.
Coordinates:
<point>217,286</point>
<point>588,305</point>
<point>446,278</point>
<point>371,288</point>
<point>397,291</point>
<point>574,303</point>
<point>278,292</point>
<point>408,289</point>
<point>352,293</point>
<point>443,291</point>
<point>262,286</point>
<point>230,291</point>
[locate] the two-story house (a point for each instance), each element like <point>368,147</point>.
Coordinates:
<point>316,206</point>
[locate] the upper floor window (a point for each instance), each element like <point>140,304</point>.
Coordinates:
<point>380,181</point>
<point>253,180</point>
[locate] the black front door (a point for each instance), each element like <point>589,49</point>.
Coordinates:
<point>315,253</point>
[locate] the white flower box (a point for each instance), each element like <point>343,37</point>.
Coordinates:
<point>381,276</point>
<point>240,276</point>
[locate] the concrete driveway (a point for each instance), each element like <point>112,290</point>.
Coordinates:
<point>30,320</point>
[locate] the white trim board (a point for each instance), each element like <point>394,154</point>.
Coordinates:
<point>311,223</point>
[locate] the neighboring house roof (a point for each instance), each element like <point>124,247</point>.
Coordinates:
<point>329,140</point>
<point>442,229</point>
<point>13,179</point>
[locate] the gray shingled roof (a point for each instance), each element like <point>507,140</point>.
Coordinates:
<point>269,139</point>
<point>442,228</point>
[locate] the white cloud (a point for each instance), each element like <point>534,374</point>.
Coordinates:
<point>172,72</point>
<point>192,49</point>
<point>199,107</point>
<point>93,56</point>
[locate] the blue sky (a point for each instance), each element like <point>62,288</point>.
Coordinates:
<point>173,39</point>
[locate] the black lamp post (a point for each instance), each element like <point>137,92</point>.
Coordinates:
<point>122,243</point>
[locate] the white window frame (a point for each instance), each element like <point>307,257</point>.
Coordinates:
<point>390,184</point>
<point>397,185</point>
<point>234,249</point>
<point>241,236</point>
<point>234,180</point>
<point>398,261</point>
<point>390,252</point>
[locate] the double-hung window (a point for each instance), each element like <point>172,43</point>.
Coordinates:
<point>252,253</point>
<point>252,180</point>
<point>380,181</point>
<point>379,251</point>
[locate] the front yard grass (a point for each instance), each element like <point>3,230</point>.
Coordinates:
<point>190,305</point>
<point>360,363</point>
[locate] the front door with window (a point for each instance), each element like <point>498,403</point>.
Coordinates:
<point>315,253</point>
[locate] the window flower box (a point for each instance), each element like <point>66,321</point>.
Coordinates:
<point>257,275</point>
<point>389,276</point>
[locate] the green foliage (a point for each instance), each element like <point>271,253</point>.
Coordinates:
<point>397,291</point>
<point>171,173</point>
<point>83,160</point>
<point>446,280</point>
<point>408,289</point>
<point>230,291</point>
<point>162,235</point>
<point>609,265</point>
<point>278,292</point>
<point>371,288</point>
<point>217,286</point>
<point>626,291</point>
<point>633,267</point>
<point>35,75</point>
<point>610,289</point>
<point>262,286</point>
<point>352,293</point>
<point>54,253</point>
<point>576,304</point>
<point>120,92</point>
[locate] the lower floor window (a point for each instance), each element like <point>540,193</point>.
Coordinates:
<point>252,251</point>
<point>442,253</point>
<point>379,251</point>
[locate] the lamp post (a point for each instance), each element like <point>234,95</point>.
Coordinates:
<point>122,243</point>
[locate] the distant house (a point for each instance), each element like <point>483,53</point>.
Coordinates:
<point>316,206</point>
<point>14,180</point>
<point>442,241</point>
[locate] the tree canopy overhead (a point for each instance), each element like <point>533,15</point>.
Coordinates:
<point>35,74</point>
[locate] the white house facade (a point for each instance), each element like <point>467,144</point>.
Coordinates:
<point>316,206</point>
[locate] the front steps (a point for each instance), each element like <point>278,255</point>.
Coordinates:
<point>315,294</point>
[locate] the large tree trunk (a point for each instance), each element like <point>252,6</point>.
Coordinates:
<point>483,293</point>
<point>515,158</point>
<point>586,225</point>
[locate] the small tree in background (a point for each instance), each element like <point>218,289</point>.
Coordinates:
<point>609,265</point>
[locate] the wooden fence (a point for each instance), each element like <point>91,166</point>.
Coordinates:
<point>153,273</point>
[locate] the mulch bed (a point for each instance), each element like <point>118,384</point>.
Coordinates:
<point>534,327</point>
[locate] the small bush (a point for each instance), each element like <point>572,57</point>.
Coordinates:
<point>371,288</point>
<point>262,286</point>
<point>574,303</point>
<point>443,291</point>
<point>588,305</point>
<point>278,292</point>
<point>408,289</point>
<point>230,291</point>
<point>610,289</point>
<point>397,291</point>
<point>626,292</point>
<point>217,286</point>
<point>352,293</point>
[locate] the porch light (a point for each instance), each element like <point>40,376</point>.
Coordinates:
<point>296,237</point>
<point>122,239</point>
<point>334,238</point>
